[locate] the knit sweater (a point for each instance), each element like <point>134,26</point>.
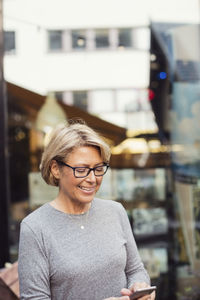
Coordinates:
<point>59,260</point>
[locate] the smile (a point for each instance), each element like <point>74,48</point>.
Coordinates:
<point>87,189</point>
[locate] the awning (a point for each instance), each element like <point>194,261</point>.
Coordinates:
<point>29,103</point>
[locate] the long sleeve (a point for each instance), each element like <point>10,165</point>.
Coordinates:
<point>135,270</point>
<point>58,260</point>
<point>33,266</point>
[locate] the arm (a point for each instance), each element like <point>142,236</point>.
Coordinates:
<point>32,266</point>
<point>118,298</point>
<point>137,275</point>
<point>135,270</point>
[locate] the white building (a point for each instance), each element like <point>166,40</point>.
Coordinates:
<point>94,54</point>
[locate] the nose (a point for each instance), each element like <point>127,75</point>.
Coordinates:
<point>91,176</point>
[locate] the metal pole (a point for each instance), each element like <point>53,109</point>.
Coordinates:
<point>4,173</point>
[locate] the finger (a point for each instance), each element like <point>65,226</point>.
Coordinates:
<point>125,292</point>
<point>147,297</point>
<point>118,298</point>
<point>143,285</point>
<point>139,285</point>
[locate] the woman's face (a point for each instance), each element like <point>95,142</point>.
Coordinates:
<point>80,190</point>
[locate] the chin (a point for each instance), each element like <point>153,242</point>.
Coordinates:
<point>86,197</point>
<point>87,200</point>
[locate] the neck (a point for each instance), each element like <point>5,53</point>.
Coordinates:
<point>70,208</point>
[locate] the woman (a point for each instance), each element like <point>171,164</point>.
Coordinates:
<point>78,246</point>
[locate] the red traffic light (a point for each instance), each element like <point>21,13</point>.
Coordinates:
<point>151,95</point>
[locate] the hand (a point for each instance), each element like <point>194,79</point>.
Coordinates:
<point>118,298</point>
<point>135,287</point>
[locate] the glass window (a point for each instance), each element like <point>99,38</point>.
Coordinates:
<point>9,41</point>
<point>101,101</point>
<point>143,99</point>
<point>102,40</point>
<point>127,100</point>
<point>78,39</point>
<point>80,99</point>
<point>125,37</point>
<point>141,121</point>
<point>141,38</point>
<point>131,100</point>
<point>55,40</point>
<point>59,95</point>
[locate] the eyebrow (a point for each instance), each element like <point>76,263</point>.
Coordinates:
<point>87,166</point>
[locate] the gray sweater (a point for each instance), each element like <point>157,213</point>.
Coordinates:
<point>60,261</point>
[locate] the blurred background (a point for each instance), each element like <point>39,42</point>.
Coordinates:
<point>131,70</point>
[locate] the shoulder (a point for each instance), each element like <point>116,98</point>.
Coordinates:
<point>112,211</point>
<point>109,205</point>
<point>106,203</point>
<point>37,218</point>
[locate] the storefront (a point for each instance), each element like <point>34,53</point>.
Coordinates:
<point>175,85</point>
<point>158,182</point>
<point>136,179</point>
<point>160,195</point>
<point>26,142</point>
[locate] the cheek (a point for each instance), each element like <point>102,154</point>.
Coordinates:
<point>99,181</point>
<point>75,182</point>
<point>68,179</point>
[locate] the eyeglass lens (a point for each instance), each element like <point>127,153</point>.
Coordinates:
<point>84,171</point>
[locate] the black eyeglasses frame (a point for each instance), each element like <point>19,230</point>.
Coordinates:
<point>89,169</point>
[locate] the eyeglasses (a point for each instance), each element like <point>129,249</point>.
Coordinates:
<point>81,172</point>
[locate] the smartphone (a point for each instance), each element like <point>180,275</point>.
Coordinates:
<point>142,292</point>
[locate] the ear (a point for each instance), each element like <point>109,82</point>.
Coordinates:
<point>55,169</point>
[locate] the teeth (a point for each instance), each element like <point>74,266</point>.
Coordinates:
<point>86,189</point>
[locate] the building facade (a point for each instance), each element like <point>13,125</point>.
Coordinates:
<point>93,55</point>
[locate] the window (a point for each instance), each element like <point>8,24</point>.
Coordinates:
<point>126,100</point>
<point>102,40</point>
<point>9,41</point>
<point>55,40</point>
<point>125,37</point>
<point>59,95</point>
<point>78,39</point>
<point>132,100</point>
<point>141,38</point>
<point>80,99</point>
<point>102,101</point>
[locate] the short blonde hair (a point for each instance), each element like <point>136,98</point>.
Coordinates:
<point>64,139</point>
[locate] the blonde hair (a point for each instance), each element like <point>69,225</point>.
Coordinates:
<point>64,139</point>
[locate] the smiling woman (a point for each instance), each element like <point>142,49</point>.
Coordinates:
<point>77,186</point>
<point>77,241</point>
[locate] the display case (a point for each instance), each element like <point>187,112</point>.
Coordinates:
<point>145,194</point>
